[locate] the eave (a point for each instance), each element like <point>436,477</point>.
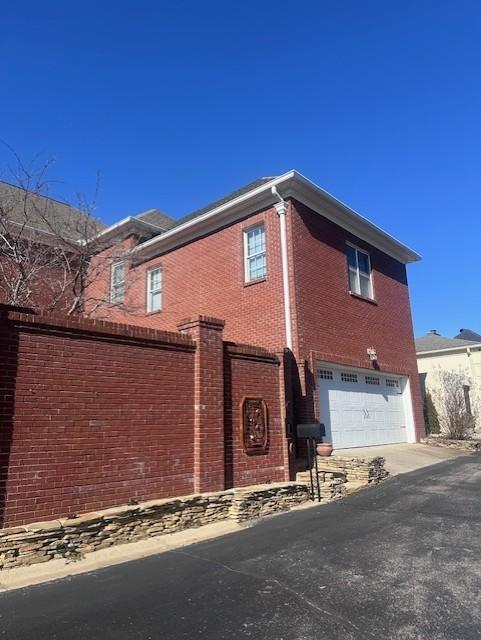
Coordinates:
<point>122,229</point>
<point>291,184</point>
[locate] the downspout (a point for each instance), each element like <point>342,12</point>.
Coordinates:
<point>281,208</point>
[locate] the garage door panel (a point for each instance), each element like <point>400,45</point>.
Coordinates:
<point>360,409</point>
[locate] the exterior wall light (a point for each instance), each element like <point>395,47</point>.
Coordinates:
<point>372,353</point>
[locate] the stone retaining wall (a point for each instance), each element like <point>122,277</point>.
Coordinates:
<point>254,503</point>
<point>332,485</point>
<point>368,470</point>
<point>72,537</point>
<point>463,445</point>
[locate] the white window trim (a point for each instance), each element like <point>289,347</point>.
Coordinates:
<point>247,277</point>
<point>154,291</point>
<point>113,285</point>
<point>358,271</point>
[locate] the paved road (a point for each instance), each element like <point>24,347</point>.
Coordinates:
<point>401,561</point>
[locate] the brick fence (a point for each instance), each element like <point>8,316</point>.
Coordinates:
<point>96,414</point>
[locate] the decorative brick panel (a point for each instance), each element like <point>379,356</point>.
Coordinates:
<point>253,372</point>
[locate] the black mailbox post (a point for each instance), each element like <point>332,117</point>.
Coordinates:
<point>312,433</point>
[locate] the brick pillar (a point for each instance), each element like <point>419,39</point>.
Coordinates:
<point>208,402</point>
<point>287,414</point>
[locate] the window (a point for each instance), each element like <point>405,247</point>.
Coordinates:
<point>392,383</point>
<point>467,399</point>
<point>325,374</point>
<point>117,281</point>
<point>348,377</point>
<point>255,265</point>
<point>359,266</point>
<point>154,289</point>
<point>372,380</point>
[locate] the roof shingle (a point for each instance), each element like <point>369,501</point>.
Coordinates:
<point>231,196</point>
<point>434,342</point>
<point>159,219</point>
<point>45,214</point>
<point>467,334</point>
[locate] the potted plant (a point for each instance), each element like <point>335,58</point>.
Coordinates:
<point>324,449</point>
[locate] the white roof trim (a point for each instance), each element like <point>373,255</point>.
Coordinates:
<point>434,352</point>
<point>122,225</point>
<point>295,185</point>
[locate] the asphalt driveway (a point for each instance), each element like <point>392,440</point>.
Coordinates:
<point>399,561</point>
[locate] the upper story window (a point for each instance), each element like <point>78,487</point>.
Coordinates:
<point>117,281</point>
<point>255,263</point>
<point>154,289</point>
<point>360,276</point>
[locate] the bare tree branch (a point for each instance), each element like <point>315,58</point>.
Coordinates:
<point>51,257</point>
<point>457,415</point>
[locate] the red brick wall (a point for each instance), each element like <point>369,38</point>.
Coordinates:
<point>252,374</point>
<point>207,277</point>
<point>44,291</point>
<point>97,418</point>
<point>208,397</point>
<point>93,414</point>
<point>334,326</point>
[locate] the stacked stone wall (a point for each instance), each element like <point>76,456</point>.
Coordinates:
<point>71,538</point>
<point>370,470</point>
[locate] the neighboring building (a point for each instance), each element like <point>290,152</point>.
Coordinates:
<point>467,334</point>
<point>292,269</point>
<point>32,229</point>
<point>461,354</point>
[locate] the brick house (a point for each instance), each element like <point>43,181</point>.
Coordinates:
<point>39,240</point>
<point>290,268</point>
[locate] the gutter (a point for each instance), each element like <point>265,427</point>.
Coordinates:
<point>132,220</point>
<point>434,352</point>
<point>245,197</point>
<point>281,208</point>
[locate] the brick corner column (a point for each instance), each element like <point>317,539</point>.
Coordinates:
<point>208,401</point>
<point>287,415</point>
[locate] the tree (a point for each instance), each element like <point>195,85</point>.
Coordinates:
<point>457,418</point>
<point>51,254</point>
<point>430,414</point>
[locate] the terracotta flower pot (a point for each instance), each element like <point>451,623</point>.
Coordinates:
<point>324,449</point>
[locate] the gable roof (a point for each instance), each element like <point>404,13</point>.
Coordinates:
<point>157,218</point>
<point>45,215</point>
<point>467,334</point>
<point>434,342</point>
<point>258,195</point>
<point>149,224</point>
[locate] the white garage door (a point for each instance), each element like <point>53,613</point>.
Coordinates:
<point>361,409</point>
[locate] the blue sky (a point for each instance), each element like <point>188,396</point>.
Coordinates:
<point>176,104</point>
